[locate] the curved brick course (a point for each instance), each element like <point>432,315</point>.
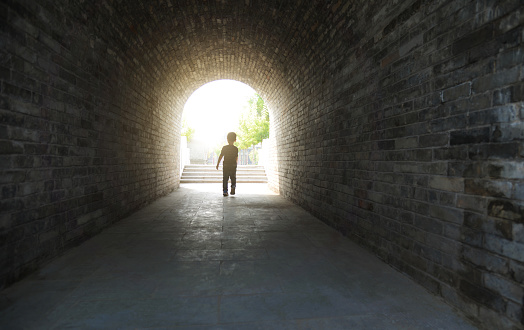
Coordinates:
<point>398,124</point>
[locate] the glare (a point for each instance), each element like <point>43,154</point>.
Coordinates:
<point>214,109</point>
<point>259,190</point>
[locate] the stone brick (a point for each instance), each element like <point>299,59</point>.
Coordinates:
<point>488,188</point>
<point>456,92</point>
<point>446,214</point>
<point>514,311</point>
<point>493,319</point>
<point>472,237</point>
<point>3,132</point>
<point>502,96</point>
<point>452,231</point>
<point>433,140</point>
<point>502,114</point>
<point>508,132</point>
<point>9,191</point>
<point>519,191</point>
<point>494,151</point>
<point>474,38</point>
<point>518,232</point>
<point>452,153</point>
<point>508,289</point>
<point>447,124</point>
<point>447,198</point>
<point>446,183</point>
<point>12,176</point>
<point>470,136</point>
<point>497,80</point>
<point>516,270</point>
<point>506,170</point>
<point>457,300</point>
<point>483,296</point>
<point>428,253</point>
<point>472,203</point>
<point>17,92</point>
<point>11,147</point>
<point>406,143</point>
<point>476,221</point>
<point>450,65</point>
<point>507,248</point>
<point>507,210</point>
<point>428,224</point>
<point>486,261</point>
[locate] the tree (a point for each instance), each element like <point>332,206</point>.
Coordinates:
<point>253,126</point>
<point>187,131</point>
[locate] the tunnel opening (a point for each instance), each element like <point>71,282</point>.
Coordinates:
<point>210,113</point>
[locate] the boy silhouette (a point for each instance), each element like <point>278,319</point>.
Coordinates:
<point>229,168</point>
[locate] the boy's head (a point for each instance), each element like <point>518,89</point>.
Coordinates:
<point>231,137</point>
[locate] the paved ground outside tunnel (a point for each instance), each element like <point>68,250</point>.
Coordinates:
<point>195,259</point>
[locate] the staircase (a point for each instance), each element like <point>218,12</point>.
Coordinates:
<point>209,174</point>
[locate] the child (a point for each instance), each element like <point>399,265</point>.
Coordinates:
<point>230,154</point>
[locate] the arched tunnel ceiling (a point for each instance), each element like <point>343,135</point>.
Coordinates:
<point>194,42</point>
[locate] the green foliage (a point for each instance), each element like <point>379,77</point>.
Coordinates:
<point>254,123</point>
<point>187,131</point>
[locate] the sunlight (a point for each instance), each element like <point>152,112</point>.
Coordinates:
<point>213,110</point>
<point>248,189</point>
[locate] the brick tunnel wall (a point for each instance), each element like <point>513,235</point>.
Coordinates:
<point>399,124</point>
<point>87,135</point>
<point>410,141</point>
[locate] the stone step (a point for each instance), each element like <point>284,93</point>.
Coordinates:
<point>213,168</point>
<point>239,180</point>
<point>246,178</point>
<point>239,173</point>
<point>219,173</point>
<point>220,170</point>
<point>209,174</point>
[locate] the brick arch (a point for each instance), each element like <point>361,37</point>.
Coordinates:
<point>188,53</point>
<point>399,123</point>
<point>194,43</point>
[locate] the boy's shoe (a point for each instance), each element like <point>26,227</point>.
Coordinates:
<point>232,190</point>
<point>225,193</point>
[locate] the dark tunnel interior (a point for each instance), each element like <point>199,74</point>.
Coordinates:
<point>399,123</point>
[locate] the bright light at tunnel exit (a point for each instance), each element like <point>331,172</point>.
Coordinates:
<point>214,109</point>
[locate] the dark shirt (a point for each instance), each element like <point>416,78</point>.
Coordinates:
<point>230,154</point>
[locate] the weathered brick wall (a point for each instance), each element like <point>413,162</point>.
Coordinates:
<point>86,135</point>
<point>399,123</point>
<point>407,135</point>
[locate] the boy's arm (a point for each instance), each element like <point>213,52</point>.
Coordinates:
<point>219,159</point>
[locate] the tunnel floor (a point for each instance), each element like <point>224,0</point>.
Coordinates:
<point>195,259</point>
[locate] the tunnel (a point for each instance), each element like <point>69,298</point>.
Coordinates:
<point>399,123</point>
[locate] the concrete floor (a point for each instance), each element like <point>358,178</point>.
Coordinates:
<point>198,260</point>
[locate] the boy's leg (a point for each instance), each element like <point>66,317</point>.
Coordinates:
<point>233,180</point>
<point>225,179</point>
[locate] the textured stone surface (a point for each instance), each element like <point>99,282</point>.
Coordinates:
<point>398,123</point>
<point>196,259</point>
